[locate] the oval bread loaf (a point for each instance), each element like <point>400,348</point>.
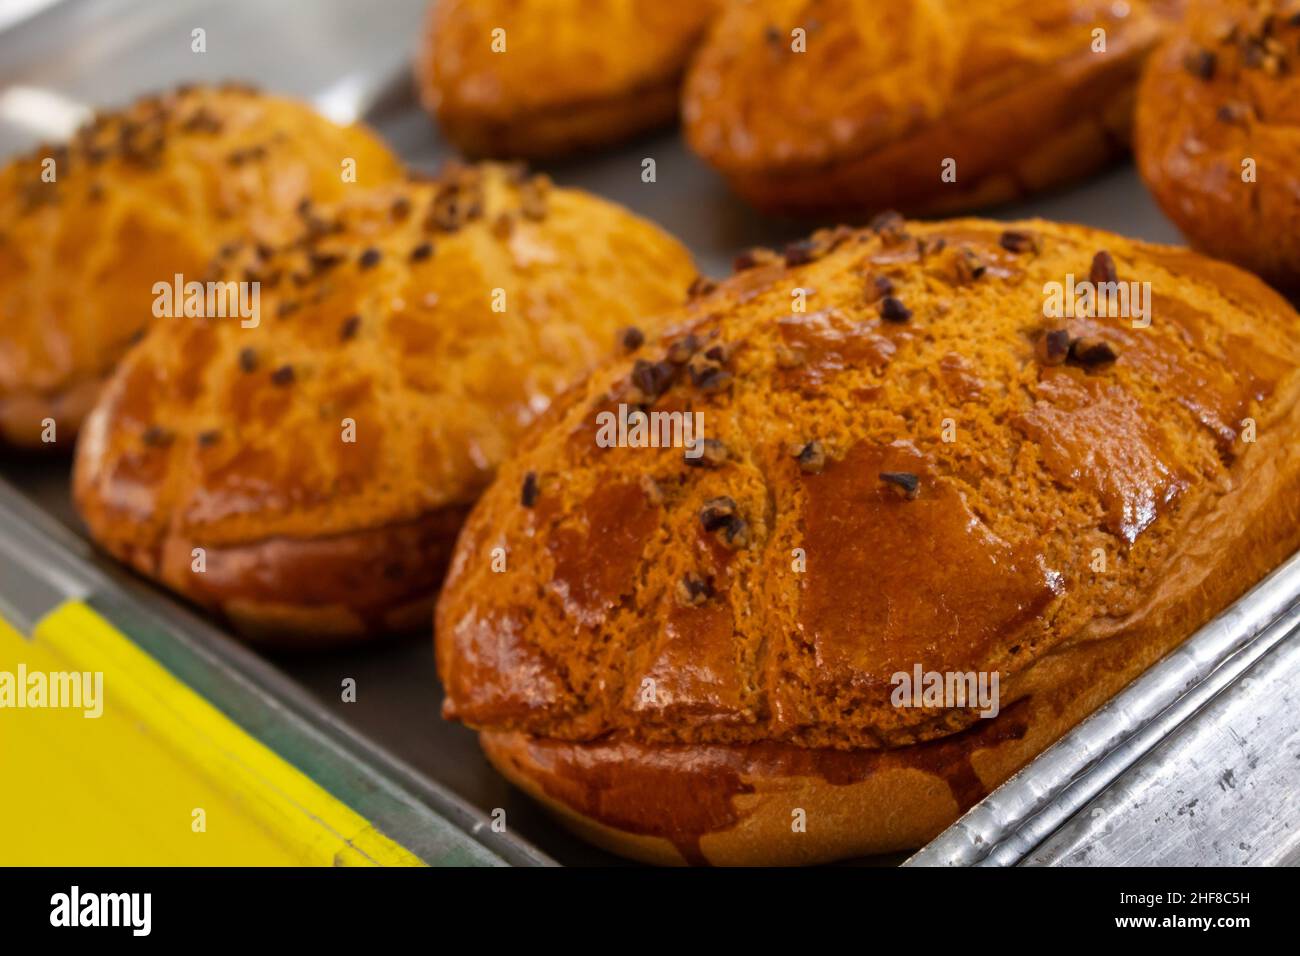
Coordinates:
<point>1218,134</point>
<point>929,106</point>
<point>306,477</point>
<point>137,197</point>
<point>921,455</point>
<point>509,78</point>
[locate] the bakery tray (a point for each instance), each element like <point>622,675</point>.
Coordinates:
<point>1213,726</point>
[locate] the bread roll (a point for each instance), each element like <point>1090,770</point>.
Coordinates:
<point>547,77</point>
<point>915,457</point>
<point>1218,134</point>
<point>135,198</point>
<point>928,106</point>
<point>306,477</point>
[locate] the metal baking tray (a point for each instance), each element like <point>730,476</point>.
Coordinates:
<point>1108,792</point>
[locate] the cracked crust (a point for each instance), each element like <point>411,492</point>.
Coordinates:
<point>1224,89</point>
<point>323,459</point>
<point>596,670</point>
<point>1011,90</point>
<point>141,195</point>
<point>573,75</point>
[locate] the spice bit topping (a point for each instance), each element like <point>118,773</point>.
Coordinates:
<point>283,376</point>
<point>351,325</point>
<point>323,261</point>
<point>1201,64</point>
<point>700,286</point>
<point>693,590</point>
<point>712,454</point>
<point>890,226</point>
<point>1234,113</point>
<point>752,258</point>
<point>530,490</point>
<point>457,202</point>
<point>1091,352</point>
<point>926,245</point>
<point>1016,241</point>
<point>717,512</point>
<point>680,351</point>
<point>709,377</point>
<point>879,286</point>
<point>1053,347</point>
<point>370,258</point>
<point>1103,268</point>
<point>247,360</point>
<point>400,209</point>
<point>155,436</point>
<point>812,458</point>
<point>800,253</point>
<point>421,252</point>
<point>893,310</point>
<point>652,379</point>
<point>631,338</point>
<point>734,533</point>
<point>969,266</point>
<point>908,484</point>
<point>209,438</point>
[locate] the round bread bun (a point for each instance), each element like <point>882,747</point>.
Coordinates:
<point>135,198</point>
<point>319,462</point>
<point>910,462</point>
<point>928,106</point>
<point>562,75</point>
<point>1218,134</point>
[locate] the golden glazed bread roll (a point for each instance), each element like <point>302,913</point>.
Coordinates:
<point>1218,134</point>
<point>138,196</point>
<point>536,78</point>
<point>918,469</point>
<point>322,461</point>
<point>860,105</point>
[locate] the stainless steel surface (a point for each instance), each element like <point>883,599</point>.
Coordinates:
<point>350,57</point>
<point>1025,810</point>
<point>1223,789</point>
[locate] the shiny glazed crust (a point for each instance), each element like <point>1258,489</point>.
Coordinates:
<point>1225,89</point>
<point>140,195</point>
<point>678,724</point>
<point>573,75</point>
<point>323,459</point>
<point>1010,89</point>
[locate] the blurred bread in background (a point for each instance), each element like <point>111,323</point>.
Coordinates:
<point>136,197</point>
<point>1218,134</point>
<point>849,107</point>
<point>542,78</point>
